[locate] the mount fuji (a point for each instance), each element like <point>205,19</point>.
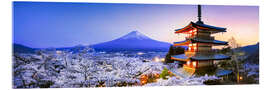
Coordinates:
<point>133,41</point>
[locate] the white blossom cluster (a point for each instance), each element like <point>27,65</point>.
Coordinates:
<point>174,81</point>
<point>73,70</point>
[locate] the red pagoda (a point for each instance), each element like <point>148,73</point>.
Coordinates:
<point>199,53</point>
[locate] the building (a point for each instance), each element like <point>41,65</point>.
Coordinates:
<point>199,41</point>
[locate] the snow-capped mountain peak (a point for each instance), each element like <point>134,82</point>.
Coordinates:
<point>135,35</point>
<point>132,41</point>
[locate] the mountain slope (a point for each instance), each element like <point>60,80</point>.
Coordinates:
<point>133,41</point>
<point>250,49</point>
<point>252,52</point>
<point>18,48</point>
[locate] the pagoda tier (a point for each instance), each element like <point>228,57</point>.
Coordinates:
<point>198,60</point>
<point>201,26</point>
<point>200,41</point>
<point>200,57</point>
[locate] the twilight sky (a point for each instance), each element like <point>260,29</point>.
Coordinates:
<point>43,24</point>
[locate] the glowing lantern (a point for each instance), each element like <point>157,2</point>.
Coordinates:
<point>189,48</point>
<point>188,63</point>
<point>240,78</point>
<point>195,48</point>
<point>144,82</point>
<point>162,59</point>
<point>194,44</point>
<point>190,45</point>
<point>194,31</point>
<point>194,64</point>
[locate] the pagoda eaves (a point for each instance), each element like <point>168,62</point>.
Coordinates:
<point>202,41</point>
<point>201,26</point>
<point>197,57</point>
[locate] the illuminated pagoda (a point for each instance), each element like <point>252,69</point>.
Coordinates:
<point>198,38</point>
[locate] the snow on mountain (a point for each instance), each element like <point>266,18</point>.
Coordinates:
<point>133,41</point>
<point>135,35</point>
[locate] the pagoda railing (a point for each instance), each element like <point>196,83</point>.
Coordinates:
<point>191,52</point>
<point>201,37</point>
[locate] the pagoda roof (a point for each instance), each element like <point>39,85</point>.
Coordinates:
<point>201,26</point>
<point>198,40</point>
<point>181,57</point>
<point>199,57</point>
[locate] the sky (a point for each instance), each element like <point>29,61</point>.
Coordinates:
<point>54,24</point>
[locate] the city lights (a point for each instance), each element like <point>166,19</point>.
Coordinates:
<point>140,53</point>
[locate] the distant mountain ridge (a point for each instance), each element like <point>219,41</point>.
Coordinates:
<point>133,41</point>
<point>153,45</point>
<point>18,48</point>
<point>250,49</point>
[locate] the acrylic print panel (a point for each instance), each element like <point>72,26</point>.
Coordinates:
<point>77,45</point>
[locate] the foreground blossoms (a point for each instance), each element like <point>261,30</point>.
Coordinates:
<point>94,69</point>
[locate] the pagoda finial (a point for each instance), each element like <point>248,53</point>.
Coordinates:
<point>199,14</point>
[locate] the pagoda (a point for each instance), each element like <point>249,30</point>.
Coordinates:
<point>199,42</point>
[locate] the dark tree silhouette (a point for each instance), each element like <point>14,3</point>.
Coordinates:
<point>173,51</point>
